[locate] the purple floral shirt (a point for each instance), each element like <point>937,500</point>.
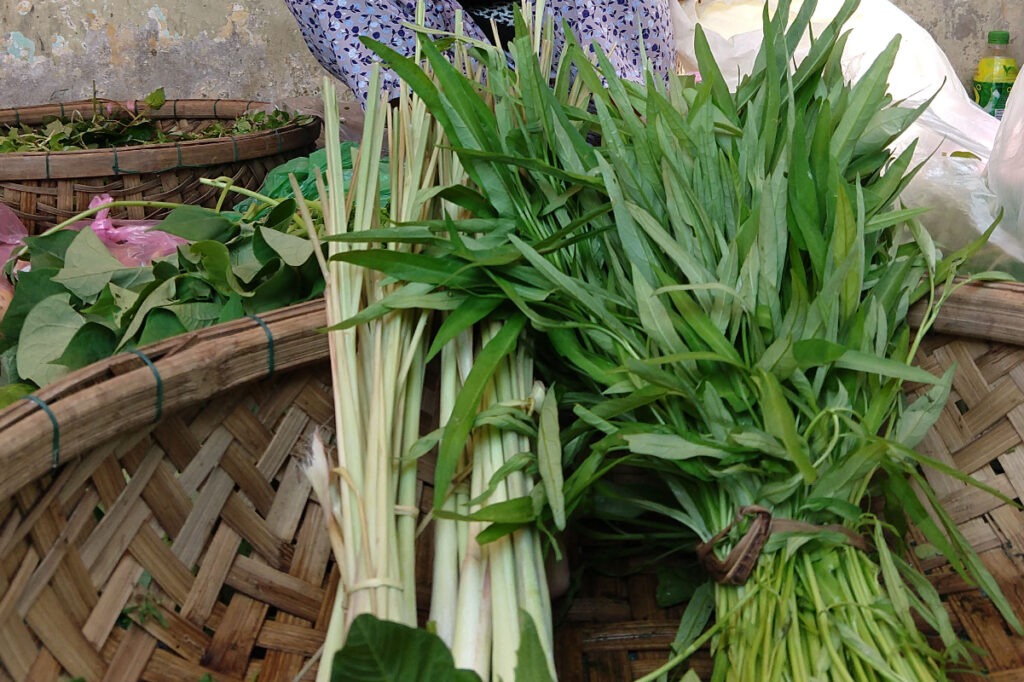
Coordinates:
<point>331,29</point>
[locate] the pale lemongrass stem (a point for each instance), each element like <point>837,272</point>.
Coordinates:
<point>376,467</point>
<point>333,203</point>
<point>490,456</point>
<point>307,222</point>
<point>444,587</point>
<point>407,480</point>
<point>514,382</point>
<point>473,609</point>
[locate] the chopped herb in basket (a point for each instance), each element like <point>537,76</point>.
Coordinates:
<point>116,124</point>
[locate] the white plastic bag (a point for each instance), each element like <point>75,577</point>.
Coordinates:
<point>955,136</point>
<point>1006,164</point>
<point>952,122</point>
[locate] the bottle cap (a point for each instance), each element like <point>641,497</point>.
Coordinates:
<point>998,37</point>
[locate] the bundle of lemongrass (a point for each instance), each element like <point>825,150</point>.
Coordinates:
<point>490,603</point>
<point>722,282</point>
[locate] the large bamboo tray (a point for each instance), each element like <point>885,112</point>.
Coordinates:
<point>45,188</point>
<point>177,537</point>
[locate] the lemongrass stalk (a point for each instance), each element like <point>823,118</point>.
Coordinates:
<point>501,561</point>
<point>472,641</point>
<point>377,371</point>
<point>335,218</point>
<point>531,578</point>
<point>444,589</point>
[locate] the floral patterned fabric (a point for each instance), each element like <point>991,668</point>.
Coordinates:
<point>331,29</point>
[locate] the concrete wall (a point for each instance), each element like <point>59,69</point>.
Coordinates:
<point>961,27</point>
<point>53,50</point>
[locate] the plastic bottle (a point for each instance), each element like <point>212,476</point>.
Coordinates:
<point>995,75</point>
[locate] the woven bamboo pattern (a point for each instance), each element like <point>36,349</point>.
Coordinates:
<point>45,188</point>
<point>981,433</point>
<point>178,538</point>
<point>175,551</point>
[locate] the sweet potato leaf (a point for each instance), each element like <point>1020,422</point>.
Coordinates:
<point>384,651</point>
<point>48,329</point>
<point>88,266</point>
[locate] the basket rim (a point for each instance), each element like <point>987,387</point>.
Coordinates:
<point>198,365</point>
<point>65,419</point>
<point>215,108</point>
<point>155,158</point>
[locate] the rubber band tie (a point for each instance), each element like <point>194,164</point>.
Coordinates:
<point>234,149</point>
<point>270,344</point>
<point>47,165</point>
<point>406,510</point>
<point>56,427</point>
<point>159,383</point>
<point>115,168</point>
<point>373,583</point>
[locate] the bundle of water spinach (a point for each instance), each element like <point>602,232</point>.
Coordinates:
<point>718,283</point>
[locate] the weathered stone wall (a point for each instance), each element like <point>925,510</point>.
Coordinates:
<point>53,50</point>
<point>961,27</point>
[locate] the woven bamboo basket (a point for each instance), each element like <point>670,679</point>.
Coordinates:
<point>155,524</point>
<point>45,188</point>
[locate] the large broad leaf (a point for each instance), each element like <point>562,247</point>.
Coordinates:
<point>217,262</point>
<point>160,324</point>
<point>196,223</point>
<point>48,329</point>
<point>197,315</point>
<point>33,287</point>
<point>157,297</point>
<point>47,250</point>
<point>92,342</point>
<point>88,266</point>
<point>383,651</point>
<point>293,250</point>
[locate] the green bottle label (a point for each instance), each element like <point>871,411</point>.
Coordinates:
<point>992,96</point>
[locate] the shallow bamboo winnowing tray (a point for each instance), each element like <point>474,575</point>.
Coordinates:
<point>178,537</point>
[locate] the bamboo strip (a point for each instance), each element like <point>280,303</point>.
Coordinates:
<point>989,310</point>
<point>164,666</point>
<point>284,591</point>
<point>213,571</point>
<point>179,635</point>
<point>112,599</point>
<point>233,641</point>
<point>131,656</point>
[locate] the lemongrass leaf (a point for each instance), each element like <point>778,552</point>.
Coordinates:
<point>549,457</point>
<point>459,426</point>
<point>472,310</point>
<point>531,659</point>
